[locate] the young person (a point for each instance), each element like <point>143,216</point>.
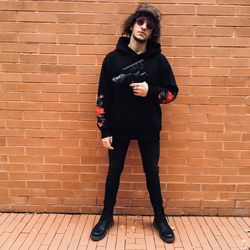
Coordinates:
<point>132,112</point>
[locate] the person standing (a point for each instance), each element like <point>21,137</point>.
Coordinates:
<point>132,111</point>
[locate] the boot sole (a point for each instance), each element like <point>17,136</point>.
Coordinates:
<point>168,240</point>
<point>95,238</point>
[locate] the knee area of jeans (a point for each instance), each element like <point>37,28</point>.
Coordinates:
<point>115,170</point>
<point>151,171</point>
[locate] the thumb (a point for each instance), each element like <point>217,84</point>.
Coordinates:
<point>110,139</point>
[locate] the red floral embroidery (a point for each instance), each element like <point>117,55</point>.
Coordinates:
<point>99,111</point>
<point>165,97</point>
<point>169,98</point>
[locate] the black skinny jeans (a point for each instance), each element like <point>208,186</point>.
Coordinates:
<point>150,153</point>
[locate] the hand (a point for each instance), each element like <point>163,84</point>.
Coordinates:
<point>107,141</point>
<point>140,88</point>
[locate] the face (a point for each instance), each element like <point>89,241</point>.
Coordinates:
<point>142,29</point>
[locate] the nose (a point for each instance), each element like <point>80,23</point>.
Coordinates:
<point>144,26</point>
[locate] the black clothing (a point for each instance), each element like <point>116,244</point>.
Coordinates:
<point>125,116</point>
<point>150,150</point>
<point>165,231</point>
<point>120,113</point>
<point>101,228</point>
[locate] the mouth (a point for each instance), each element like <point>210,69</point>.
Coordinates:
<point>141,33</point>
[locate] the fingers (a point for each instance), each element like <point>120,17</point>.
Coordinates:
<point>136,88</point>
<point>140,89</point>
<point>107,142</point>
<point>137,84</point>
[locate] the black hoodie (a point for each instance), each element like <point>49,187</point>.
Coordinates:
<point>122,114</point>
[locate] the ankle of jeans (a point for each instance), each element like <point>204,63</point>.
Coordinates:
<point>107,212</point>
<point>159,213</point>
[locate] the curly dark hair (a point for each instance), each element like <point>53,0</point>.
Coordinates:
<point>129,22</point>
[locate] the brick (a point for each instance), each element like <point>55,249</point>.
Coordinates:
<point>95,29</point>
<point>218,31</point>
<point>21,68</point>
<point>212,52</point>
<point>197,42</point>
<point>229,62</point>
<point>206,127</point>
<point>23,16</point>
<point>204,162</point>
<point>200,195</point>
<point>243,204</point>
<point>35,133</point>
<point>94,49</point>
<point>215,10</point>
<point>218,187</point>
<point>205,145</point>
<point>6,5</point>
<point>38,38</point>
<point>234,196</point>
<point>184,170</point>
<point>25,159</point>
<point>8,16</point>
<point>210,72</point>
<point>44,201</point>
<point>202,179</point>
<point>38,59</point>
<point>227,21</point>
<point>62,159</point>
<point>221,153</point>
<point>211,91</point>
<point>244,171</point>
<point>58,7</point>
<point>20,47</point>
<point>77,60</point>
<point>244,11</point>
<point>242,31</point>
<point>183,203</point>
<point>243,188</point>
<point>193,20</point>
<point>56,28</point>
<point>184,187</point>
<point>239,72</point>
<point>44,184</point>
<point>246,137</point>
<point>235,179</point>
<point>220,204</point>
<point>221,171</point>
<point>58,69</point>
<point>8,38</point>
<point>24,124</point>
<point>25,176</point>
<point>191,62</point>
<point>240,2</point>
<point>224,81</point>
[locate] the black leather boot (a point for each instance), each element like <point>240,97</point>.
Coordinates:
<point>100,229</point>
<point>165,231</point>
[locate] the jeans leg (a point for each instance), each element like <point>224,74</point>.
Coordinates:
<point>116,164</point>
<point>150,153</point>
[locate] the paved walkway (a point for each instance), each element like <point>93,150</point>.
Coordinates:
<point>66,231</point>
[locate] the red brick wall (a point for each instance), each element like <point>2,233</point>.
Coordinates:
<point>51,157</point>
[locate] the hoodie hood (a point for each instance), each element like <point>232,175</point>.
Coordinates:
<point>152,49</point>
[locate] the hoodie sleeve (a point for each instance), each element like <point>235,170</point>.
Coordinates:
<point>167,90</point>
<point>103,104</point>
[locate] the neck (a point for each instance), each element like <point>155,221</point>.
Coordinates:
<point>137,47</point>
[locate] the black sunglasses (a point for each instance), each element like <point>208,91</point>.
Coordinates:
<point>141,20</point>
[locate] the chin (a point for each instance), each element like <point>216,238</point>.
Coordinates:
<point>140,39</point>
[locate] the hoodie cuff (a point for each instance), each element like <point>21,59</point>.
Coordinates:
<point>153,92</point>
<point>105,133</point>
